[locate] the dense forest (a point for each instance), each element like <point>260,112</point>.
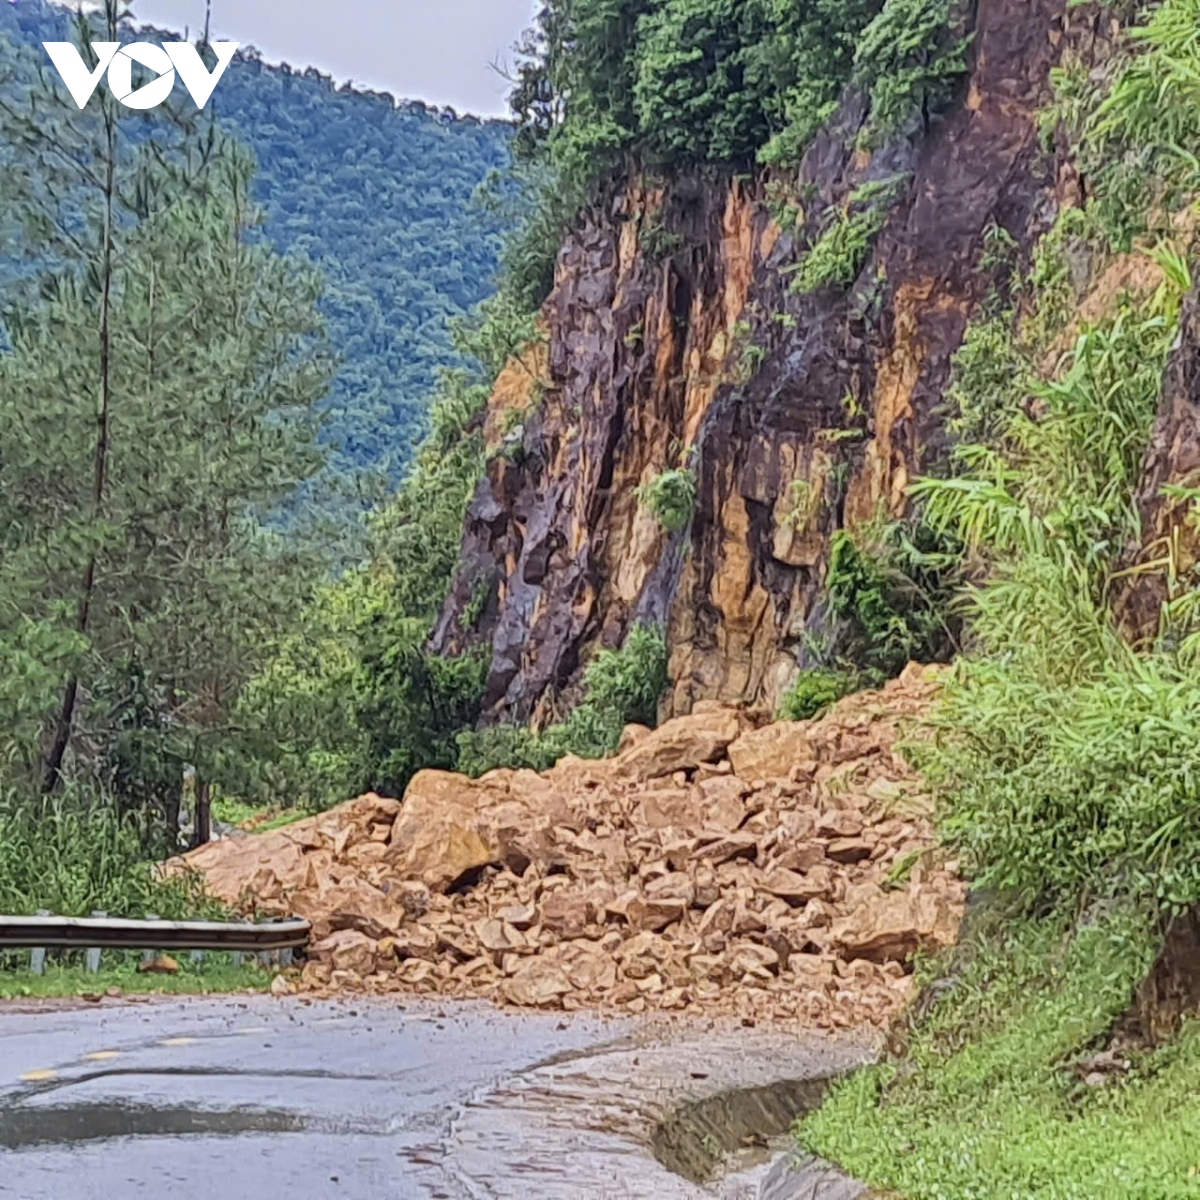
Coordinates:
<point>379,194</point>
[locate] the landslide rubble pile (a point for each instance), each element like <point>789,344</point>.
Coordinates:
<point>776,873</point>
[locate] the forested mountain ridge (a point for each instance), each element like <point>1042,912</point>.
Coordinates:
<point>378,193</point>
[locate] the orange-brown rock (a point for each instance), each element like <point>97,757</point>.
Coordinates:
<point>840,408</point>
<point>347,950</point>
<point>770,753</point>
<point>763,898</point>
<point>451,826</point>
<point>680,745</point>
<point>893,926</point>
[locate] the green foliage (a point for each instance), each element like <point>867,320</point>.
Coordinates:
<point>1057,776</point>
<point>838,255</point>
<point>815,691</point>
<point>691,82</point>
<point>77,853</point>
<point>378,194</point>
<point>1062,756</point>
<point>351,699</point>
<point>702,89</point>
<point>1052,498</point>
<point>989,380</point>
<point>987,1101</point>
<point>909,58</point>
<point>161,368</point>
<point>671,497</point>
<point>892,587</point>
<point>630,682</point>
<point>65,977</point>
<point>657,242</point>
<point>811,57</point>
<point>1061,791</point>
<point>621,687</point>
<point>1143,137</point>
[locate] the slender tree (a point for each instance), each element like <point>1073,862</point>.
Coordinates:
<point>156,409</point>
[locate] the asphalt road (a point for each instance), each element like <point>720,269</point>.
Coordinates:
<point>253,1097</point>
<point>340,1100</point>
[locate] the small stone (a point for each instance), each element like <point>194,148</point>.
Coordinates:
<point>848,850</point>
<point>164,964</point>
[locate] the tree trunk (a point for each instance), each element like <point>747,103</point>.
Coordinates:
<point>202,834</point>
<point>64,724</point>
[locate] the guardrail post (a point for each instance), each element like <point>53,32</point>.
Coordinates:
<point>197,957</point>
<point>286,958</point>
<point>238,957</point>
<point>92,958</point>
<point>148,956</point>
<point>37,956</point>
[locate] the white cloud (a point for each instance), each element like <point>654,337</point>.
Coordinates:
<point>439,51</point>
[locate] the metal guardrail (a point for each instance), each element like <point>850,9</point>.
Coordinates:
<point>271,940</point>
<point>105,933</point>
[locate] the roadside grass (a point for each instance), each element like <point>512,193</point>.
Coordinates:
<point>67,978</point>
<point>987,1100</point>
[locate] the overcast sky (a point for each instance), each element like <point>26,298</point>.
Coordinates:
<point>439,51</point>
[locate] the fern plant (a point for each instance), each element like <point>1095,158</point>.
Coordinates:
<point>838,255</point>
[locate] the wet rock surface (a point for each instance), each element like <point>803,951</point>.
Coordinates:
<point>783,874</point>
<point>799,414</point>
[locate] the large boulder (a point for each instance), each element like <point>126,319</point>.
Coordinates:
<point>772,752</point>
<point>680,745</point>
<point>892,926</point>
<point>450,826</point>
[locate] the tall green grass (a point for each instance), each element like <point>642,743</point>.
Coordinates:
<point>74,854</point>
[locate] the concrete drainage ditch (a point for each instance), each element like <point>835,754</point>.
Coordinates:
<point>690,1117</point>
<point>736,1145</point>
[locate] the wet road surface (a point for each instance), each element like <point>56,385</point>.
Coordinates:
<point>253,1097</point>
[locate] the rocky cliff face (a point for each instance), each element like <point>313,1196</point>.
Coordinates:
<point>676,341</point>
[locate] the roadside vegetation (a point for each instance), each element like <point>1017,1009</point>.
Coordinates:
<point>119,976</point>
<point>1064,756</point>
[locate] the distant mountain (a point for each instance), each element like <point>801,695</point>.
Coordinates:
<point>378,192</point>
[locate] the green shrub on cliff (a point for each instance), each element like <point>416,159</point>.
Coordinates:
<point>621,687</point>
<point>671,497</point>
<point>909,59</point>
<point>892,586</point>
<point>815,691</point>
<point>682,83</point>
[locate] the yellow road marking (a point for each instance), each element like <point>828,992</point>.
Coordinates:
<point>38,1076</point>
<point>102,1055</point>
<point>248,1032</point>
<point>179,1041</point>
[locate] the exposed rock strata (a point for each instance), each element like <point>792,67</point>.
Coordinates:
<point>822,424</point>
